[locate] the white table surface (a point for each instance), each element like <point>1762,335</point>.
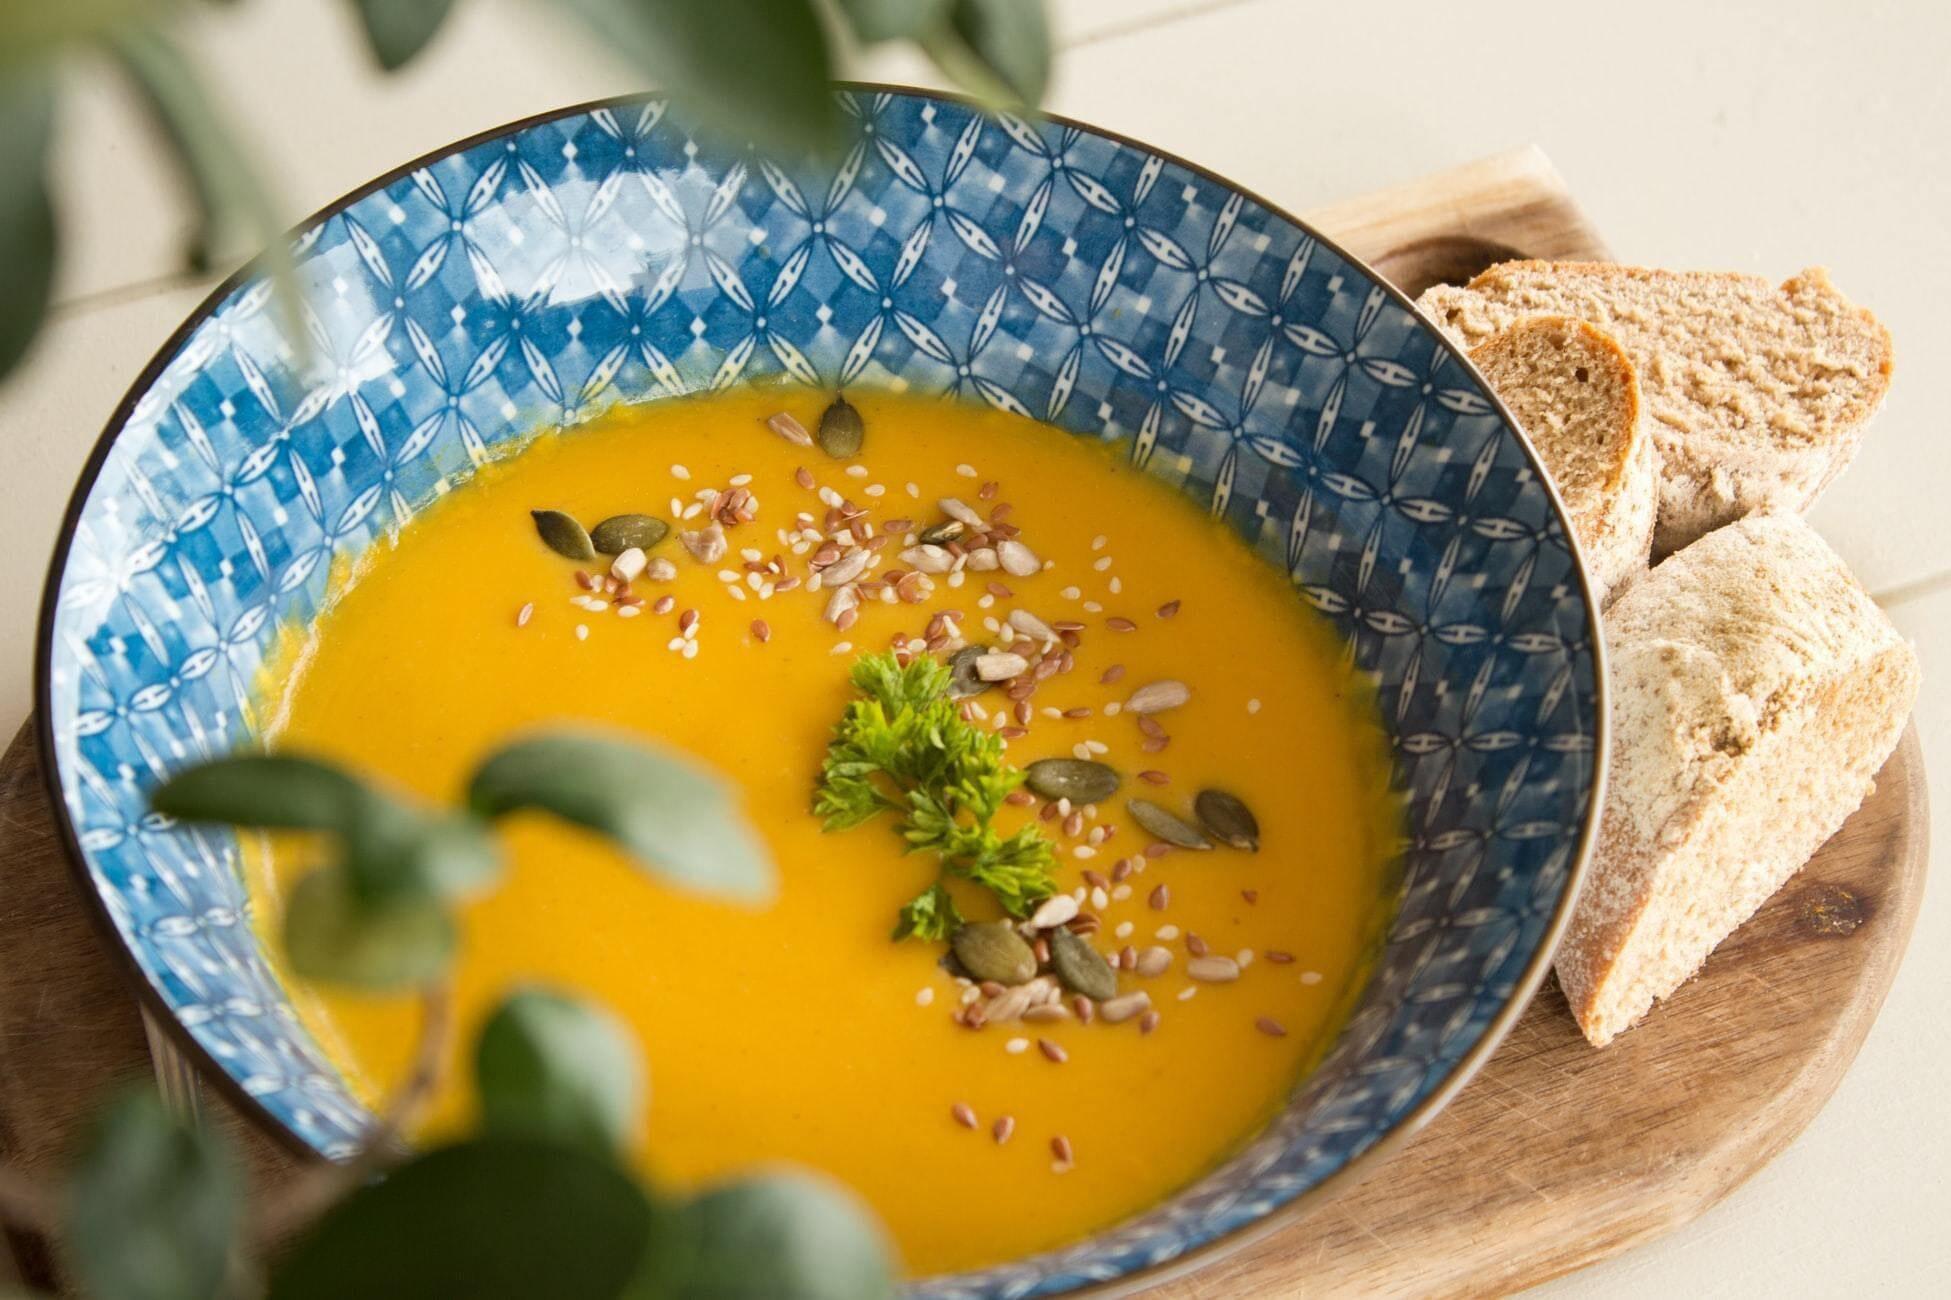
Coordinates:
<point>1756,136</point>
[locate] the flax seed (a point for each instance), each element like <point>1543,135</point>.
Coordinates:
<point>1152,776</point>
<point>687,620</point>
<point>1060,1148</point>
<point>1250,895</point>
<point>1160,898</point>
<point>1168,609</point>
<point>1084,1009</point>
<point>1278,958</point>
<point>1003,1128</point>
<point>1112,674</point>
<point>1148,1022</point>
<point>664,605</point>
<point>963,1114</point>
<point>585,580</point>
<point>1120,625</point>
<point>1196,945</point>
<point>1270,1027</point>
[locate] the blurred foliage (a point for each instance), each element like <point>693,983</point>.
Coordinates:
<point>745,70</point>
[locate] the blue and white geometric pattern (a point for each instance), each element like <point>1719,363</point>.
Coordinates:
<point>544,272</point>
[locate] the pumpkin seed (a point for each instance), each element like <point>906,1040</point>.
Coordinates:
<point>841,430</point>
<point>1227,819</point>
<point>992,950</point>
<point>949,530</point>
<point>619,533</point>
<point>963,679</point>
<point>1081,967</point>
<point>563,535</point>
<point>1077,779</point>
<point>1163,825</point>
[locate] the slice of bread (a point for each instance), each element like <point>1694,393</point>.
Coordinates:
<point>1576,395</point>
<point>1758,396</point>
<point>1755,692</point>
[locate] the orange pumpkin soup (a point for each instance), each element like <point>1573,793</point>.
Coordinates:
<point>1151,640</point>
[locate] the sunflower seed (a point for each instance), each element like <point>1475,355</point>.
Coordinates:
<point>1157,697</point>
<point>957,509</point>
<point>1054,911</point>
<point>1126,1005</point>
<point>1213,970</point>
<point>1000,667</point>
<point>1017,559</point>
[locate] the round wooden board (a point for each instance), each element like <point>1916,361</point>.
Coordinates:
<point>1554,1156</point>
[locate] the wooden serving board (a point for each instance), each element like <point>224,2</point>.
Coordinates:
<point>1556,1155</point>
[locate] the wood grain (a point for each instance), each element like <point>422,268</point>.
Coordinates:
<point>1555,1156</point>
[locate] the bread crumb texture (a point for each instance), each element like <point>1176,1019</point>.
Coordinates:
<point>1576,395</point>
<point>1755,692</point>
<point>1757,396</point>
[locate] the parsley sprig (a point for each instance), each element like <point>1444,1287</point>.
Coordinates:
<point>903,747</point>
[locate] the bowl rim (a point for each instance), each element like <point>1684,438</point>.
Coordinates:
<point>211,1072</point>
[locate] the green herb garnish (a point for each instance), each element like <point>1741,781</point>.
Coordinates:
<point>903,747</point>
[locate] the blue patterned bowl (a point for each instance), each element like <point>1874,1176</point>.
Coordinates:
<point>537,274</point>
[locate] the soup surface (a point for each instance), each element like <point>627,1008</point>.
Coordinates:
<point>798,1031</point>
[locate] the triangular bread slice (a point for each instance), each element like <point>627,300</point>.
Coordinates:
<point>1576,395</point>
<point>1755,691</point>
<point>1758,396</point>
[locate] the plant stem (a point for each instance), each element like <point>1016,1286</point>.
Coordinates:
<point>321,1185</point>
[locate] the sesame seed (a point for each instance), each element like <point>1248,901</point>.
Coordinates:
<point>690,650</point>
<point>1167,933</point>
<point>680,473</point>
<point>1253,706</point>
<point>1099,542</point>
<point>924,996</point>
<point>524,614</point>
<point>914,489</point>
<point>842,647</point>
<point>1086,851</point>
<point>1310,977</point>
<point>1101,563</point>
<point>1070,593</point>
<point>629,611</point>
<point>876,489</point>
<point>582,632</point>
<point>966,471</point>
<point>1187,993</point>
<point>1124,927</point>
<point>1017,1046</point>
<point>1117,585</point>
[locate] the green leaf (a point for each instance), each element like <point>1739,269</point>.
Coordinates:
<point>27,236</point>
<point>399,29</point>
<point>153,1206</point>
<point>758,70</point>
<point>231,200</point>
<point>765,1238</point>
<point>392,850</point>
<point>664,812</point>
<point>548,1066</point>
<point>932,915</point>
<point>333,934</point>
<point>997,50</point>
<point>893,20</point>
<point>275,790</point>
<point>496,1218</point>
